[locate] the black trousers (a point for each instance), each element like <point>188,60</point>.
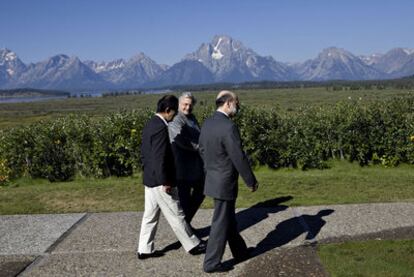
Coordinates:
<point>223,229</point>
<point>191,195</point>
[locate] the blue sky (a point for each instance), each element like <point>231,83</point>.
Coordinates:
<point>290,31</point>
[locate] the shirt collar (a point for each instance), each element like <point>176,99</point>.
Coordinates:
<point>162,118</point>
<point>223,113</point>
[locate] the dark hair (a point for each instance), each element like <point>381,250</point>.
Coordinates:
<point>223,99</point>
<point>169,102</point>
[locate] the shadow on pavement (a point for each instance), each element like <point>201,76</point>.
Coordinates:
<point>245,218</point>
<point>260,211</point>
<point>288,230</point>
<point>251,216</point>
<point>284,232</point>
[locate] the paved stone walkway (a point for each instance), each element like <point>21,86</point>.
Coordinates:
<point>104,244</point>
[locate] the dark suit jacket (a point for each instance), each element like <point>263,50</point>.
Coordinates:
<point>224,159</point>
<point>156,154</point>
<point>184,135</point>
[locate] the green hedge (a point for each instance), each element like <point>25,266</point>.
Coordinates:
<point>380,132</point>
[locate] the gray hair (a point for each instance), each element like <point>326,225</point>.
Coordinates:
<point>187,94</point>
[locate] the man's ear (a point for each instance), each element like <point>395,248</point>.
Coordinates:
<point>167,110</point>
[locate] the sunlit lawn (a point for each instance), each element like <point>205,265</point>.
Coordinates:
<point>369,258</point>
<point>343,183</point>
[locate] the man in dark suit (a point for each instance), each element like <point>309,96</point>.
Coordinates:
<point>160,192</point>
<point>224,160</point>
<point>184,133</point>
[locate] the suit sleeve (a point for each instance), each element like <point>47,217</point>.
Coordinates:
<point>159,145</point>
<point>201,151</point>
<point>233,145</point>
<point>176,130</point>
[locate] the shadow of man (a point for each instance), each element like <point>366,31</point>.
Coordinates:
<point>249,217</point>
<point>290,229</point>
<point>245,218</point>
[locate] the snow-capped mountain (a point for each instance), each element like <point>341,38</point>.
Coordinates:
<point>11,67</point>
<point>60,72</point>
<point>370,59</point>
<point>229,60</point>
<point>397,62</point>
<point>336,64</point>
<point>224,59</point>
<point>131,73</point>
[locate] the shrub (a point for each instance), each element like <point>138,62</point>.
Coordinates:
<point>51,155</point>
<point>381,132</point>
<point>4,172</point>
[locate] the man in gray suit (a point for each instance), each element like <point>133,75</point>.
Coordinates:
<point>184,132</point>
<point>224,160</point>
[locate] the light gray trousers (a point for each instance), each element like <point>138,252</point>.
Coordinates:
<point>156,201</point>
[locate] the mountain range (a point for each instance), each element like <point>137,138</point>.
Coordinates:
<point>224,59</point>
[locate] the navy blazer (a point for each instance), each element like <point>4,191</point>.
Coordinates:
<point>223,156</point>
<point>156,154</point>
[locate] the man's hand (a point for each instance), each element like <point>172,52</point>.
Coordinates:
<point>167,188</point>
<point>255,187</point>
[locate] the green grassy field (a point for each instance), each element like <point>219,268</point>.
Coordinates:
<point>369,258</point>
<point>14,114</point>
<point>344,183</point>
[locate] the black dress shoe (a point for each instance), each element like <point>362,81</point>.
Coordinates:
<point>155,254</point>
<point>219,268</point>
<point>199,249</point>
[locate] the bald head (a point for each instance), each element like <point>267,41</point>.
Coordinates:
<point>228,102</point>
<point>225,92</point>
<point>225,96</point>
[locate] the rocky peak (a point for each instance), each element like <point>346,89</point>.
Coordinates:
<point>139,57</point>
<point>336,53</point>
<point>10,65</point>
<point>6,55</point>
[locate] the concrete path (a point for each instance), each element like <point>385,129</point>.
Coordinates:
<point>104,244</point>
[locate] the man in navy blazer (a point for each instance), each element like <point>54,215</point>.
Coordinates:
<point>161,195</point>
<point>224,159</point>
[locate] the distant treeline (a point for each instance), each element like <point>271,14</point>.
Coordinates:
<point>403,83</point>
<point>122,93</point>
<point>334,85</point>
<point>24,92</point>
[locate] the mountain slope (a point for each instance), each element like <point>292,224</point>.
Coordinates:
<point>61,72</point>
<point>224,59</point>
<point>130,73</point>
<point>11,67</point>
<point>336,64</point>
<point>397,62</point>
<point>229,60</point>
<point>186,72</point>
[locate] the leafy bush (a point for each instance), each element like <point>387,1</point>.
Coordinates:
<point>51,156</point>
<point>4,172</point>
<point>381,132</point>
